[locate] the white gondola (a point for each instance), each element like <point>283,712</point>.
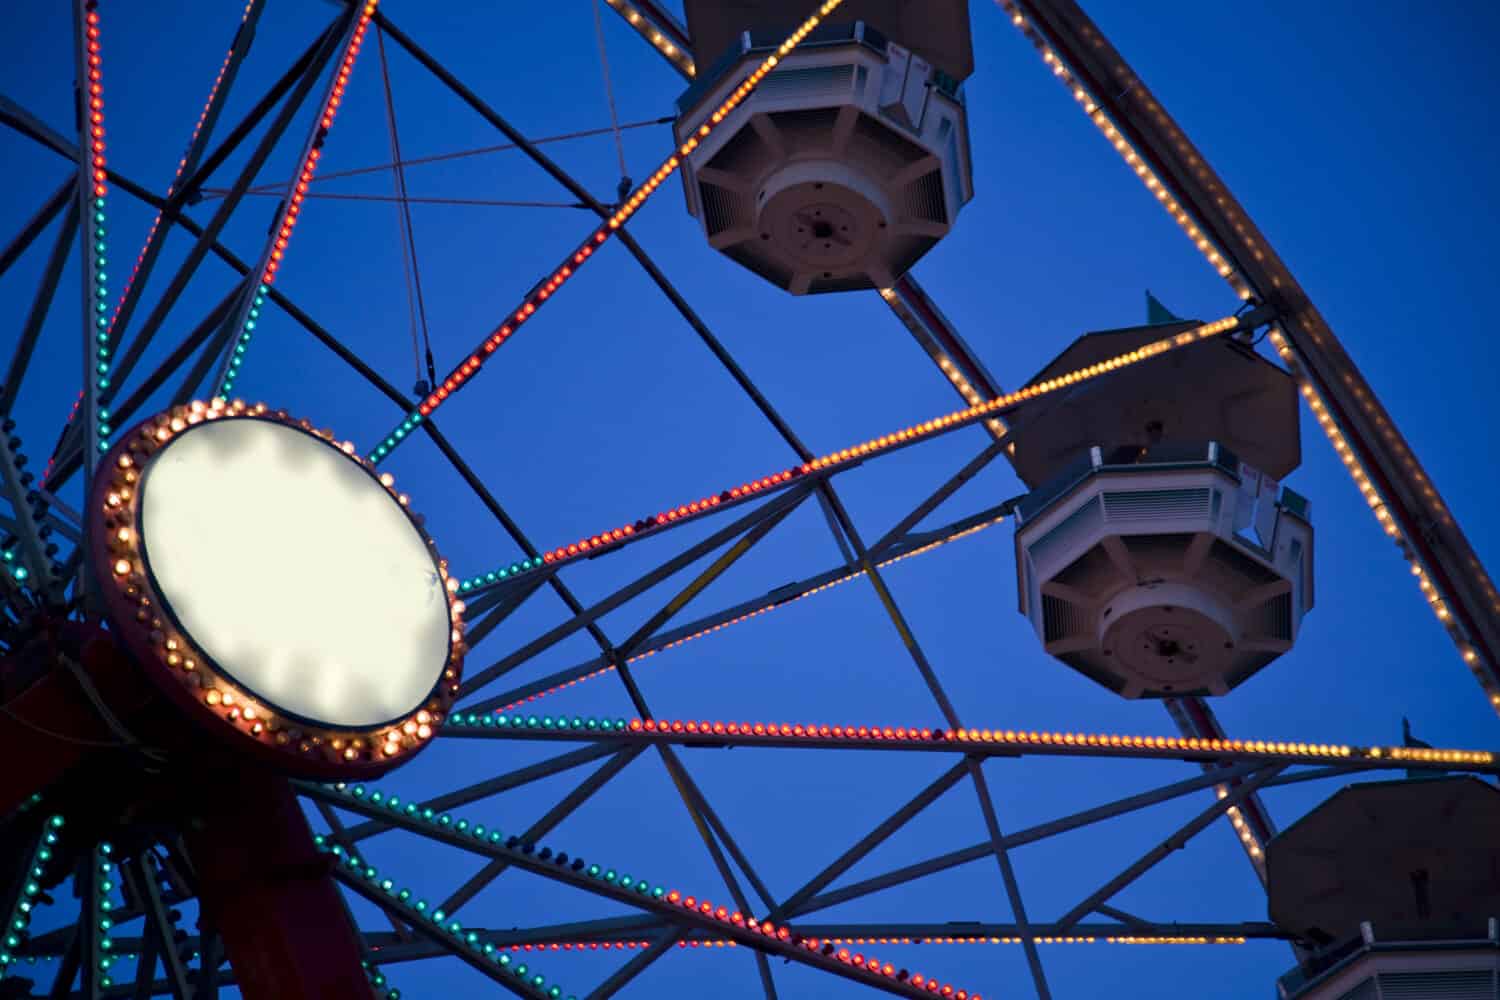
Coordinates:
<point>1394,889</point>
<point>851,160</point>
<point>1158,552</point>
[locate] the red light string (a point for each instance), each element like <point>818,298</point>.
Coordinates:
<point>248,311</point>
<point>182,165</point>
<point>543,290</point>
<point>105,328</point>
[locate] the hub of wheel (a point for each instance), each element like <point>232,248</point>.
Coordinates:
<point>276,590</point>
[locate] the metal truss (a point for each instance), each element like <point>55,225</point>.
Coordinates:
<point>153,884</point>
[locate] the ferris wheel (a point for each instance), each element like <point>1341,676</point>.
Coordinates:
<point>293,706</point>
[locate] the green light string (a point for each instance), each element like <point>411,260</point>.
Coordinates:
<point>102,910</point>
<point>420,912</point>
<point>18,921</point>
<point>579,724</point>
<point>242,342</point>
<point>378,980</point>
<point>100,302</point>
<point>448,829</point>
<point>93,188</point>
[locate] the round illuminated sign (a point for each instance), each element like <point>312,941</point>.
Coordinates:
<point>281,585</point>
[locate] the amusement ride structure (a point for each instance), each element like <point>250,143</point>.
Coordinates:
<point>225,630</point>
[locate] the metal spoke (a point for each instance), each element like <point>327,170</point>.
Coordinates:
<point>159,927</point>
<point>490,786</point>
<point>622,976</point>
<point>1029,835</point>
<point>1172,843</point>
<point>40,303</point>
<point>156,239</point>
<point>873,839</point>
<point>36,224</point>
<point>1008,876</point>
<point>437,936</point>
<point>784,594</point>
<point>774,508</point>
<point>541,827</point>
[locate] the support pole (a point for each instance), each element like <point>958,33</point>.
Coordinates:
<point>267,891</point>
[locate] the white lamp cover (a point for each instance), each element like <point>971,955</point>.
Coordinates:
<point>295,571</point>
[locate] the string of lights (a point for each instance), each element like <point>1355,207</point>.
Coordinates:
<point>182,166</point>
<point>998,742</point>
<point>543,290</point>
<point>18,920</point>
<point>1148,177</point>
<point>24,539</point>
<point>379,981</point>
<point>766,935</point>
<point>673,52</point>
<point>247,314</point>
<point>1378,506</point>
<point>419,913</point>
<point>93,187</point>
<point>634,945</point>
<point>845,458</point>
<point>1242,829</point>
<point>951,371</point>
<point>1316,400</point>
<point>101,910</point>
<point>108,332</point>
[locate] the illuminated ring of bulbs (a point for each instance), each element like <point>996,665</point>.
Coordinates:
<point>180,666</point>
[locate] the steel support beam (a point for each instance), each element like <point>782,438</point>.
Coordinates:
<point>17,486</point>
<point>939,340</point>
<point>169,365</point>
<point>264,886</point>
<point>68,456</point>
<point>770,511</point>
<point>882,832</point>
<point>34,226</point>
<point>1175,842</point>
<point>968,741</point>
<point>326,47</point>
<point>785,594</point>
<point>622,976</point>
<point>439,937</point>
<point>634,929</point>
<point>673,910</point>
<point>1195,718</point>
<point>393,949</point>
<point>156,238</point>
<point>912,933</point>
<point>221,357</point>
<point>158,939</point>
<point>1008,877</point>
<point>489,786</point>
<point>51,721</point>
<point>984,848</point>
<point>561,811</point>
<point>90,221</point>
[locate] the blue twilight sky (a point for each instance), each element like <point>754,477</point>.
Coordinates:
<point>1354,133</point>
